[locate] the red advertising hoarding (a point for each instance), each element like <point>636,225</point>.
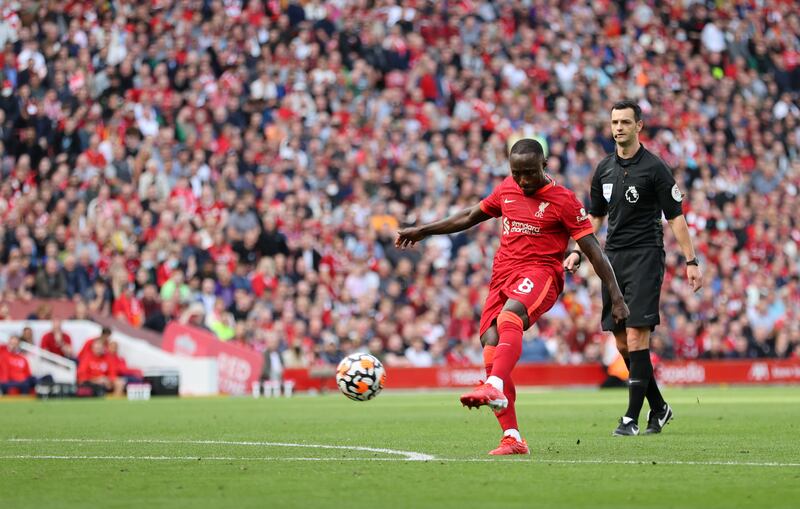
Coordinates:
<point>591,375</point>
<point>729,372</point>
<point>440,377</point>
<point>238,366</point>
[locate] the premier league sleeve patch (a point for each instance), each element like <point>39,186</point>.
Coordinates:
<point>676,193</point>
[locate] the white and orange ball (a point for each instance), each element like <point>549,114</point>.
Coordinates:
<point>360,376</point>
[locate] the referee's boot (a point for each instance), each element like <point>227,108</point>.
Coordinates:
<point>627,428</point>
<point>657,420</point>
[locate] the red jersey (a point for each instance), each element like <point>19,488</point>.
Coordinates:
<point>120,366</point>
<point>49,343</point>
<point>536,229</point>
<point>86,349</point>
<point>15,367</point>
<point>92,366</point>
<point>129,308</point>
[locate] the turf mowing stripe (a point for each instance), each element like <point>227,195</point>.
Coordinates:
<point>448,460</point>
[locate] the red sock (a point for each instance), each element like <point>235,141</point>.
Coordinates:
<point>488,358</point>
<point>509,325</point>
<point>508,417</point>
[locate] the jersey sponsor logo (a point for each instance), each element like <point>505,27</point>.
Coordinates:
<point>508,201</point>
<point>607,188</point>
<point>583,217</point>
<point>631,194</point>
<point>519,227</point>
<point>542,206</point>
<point>676,194</point>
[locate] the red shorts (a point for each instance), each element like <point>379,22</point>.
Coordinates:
<point>536,288</point>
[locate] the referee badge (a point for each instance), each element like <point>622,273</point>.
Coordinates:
<point>607,191</point>
<point>631,194</point>
<point>676,194</point>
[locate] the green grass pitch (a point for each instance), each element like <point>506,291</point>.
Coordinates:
<point>726,448</point>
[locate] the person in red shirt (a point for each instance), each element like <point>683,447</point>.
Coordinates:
<point>97,371</point>
<point>57,341</point>
<point>131,375</point>
<point>456,357</point>
<point>128,307</point>
<point>538,219</point>
<point>15,372</point>
<point>105,337</point>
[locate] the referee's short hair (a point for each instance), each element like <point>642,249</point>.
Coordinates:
<point>624,105</point>
<point>527,146</point>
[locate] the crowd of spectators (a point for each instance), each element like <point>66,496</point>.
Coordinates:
<point>244,165</point>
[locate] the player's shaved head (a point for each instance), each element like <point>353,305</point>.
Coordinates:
<point>527,146</point>
<point>527,165</point>
<point>527,155</point>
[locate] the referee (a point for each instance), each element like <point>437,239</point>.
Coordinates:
<point>633,187</point>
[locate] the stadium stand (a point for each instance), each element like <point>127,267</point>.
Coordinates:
<point>244,166</point>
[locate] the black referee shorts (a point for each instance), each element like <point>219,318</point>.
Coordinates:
<point>640,273</point>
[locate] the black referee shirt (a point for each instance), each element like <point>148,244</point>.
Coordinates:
<point>633,193</point>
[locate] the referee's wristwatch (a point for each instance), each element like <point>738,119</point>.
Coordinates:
<point>693,261</point>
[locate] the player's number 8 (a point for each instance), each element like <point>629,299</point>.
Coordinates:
<point>525,286</point>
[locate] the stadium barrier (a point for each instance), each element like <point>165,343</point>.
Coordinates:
<point>670,373</point>
<point>43,363</point>
<point>197,376</point>
<point>237,367</point>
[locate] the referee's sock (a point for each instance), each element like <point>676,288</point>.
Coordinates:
<point>640,373</point>
<point>654,397</point>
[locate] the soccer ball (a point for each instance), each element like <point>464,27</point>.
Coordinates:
<point>360,376</point>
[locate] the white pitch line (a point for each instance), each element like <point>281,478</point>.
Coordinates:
<point>408,455</point>
<point>443,460</point>
<point>243,458</point>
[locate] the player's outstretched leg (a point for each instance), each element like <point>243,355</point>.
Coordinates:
<point>506,355</point>
<point>512,442</point>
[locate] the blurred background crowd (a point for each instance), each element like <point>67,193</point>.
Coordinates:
<point>244,165</point>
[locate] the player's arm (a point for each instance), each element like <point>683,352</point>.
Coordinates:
<point>597,214</point>
<point>681,231</point>
<point>573,259</point>
<point>591,248</point>
<point>460,221</point>
<point>597,222</point>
